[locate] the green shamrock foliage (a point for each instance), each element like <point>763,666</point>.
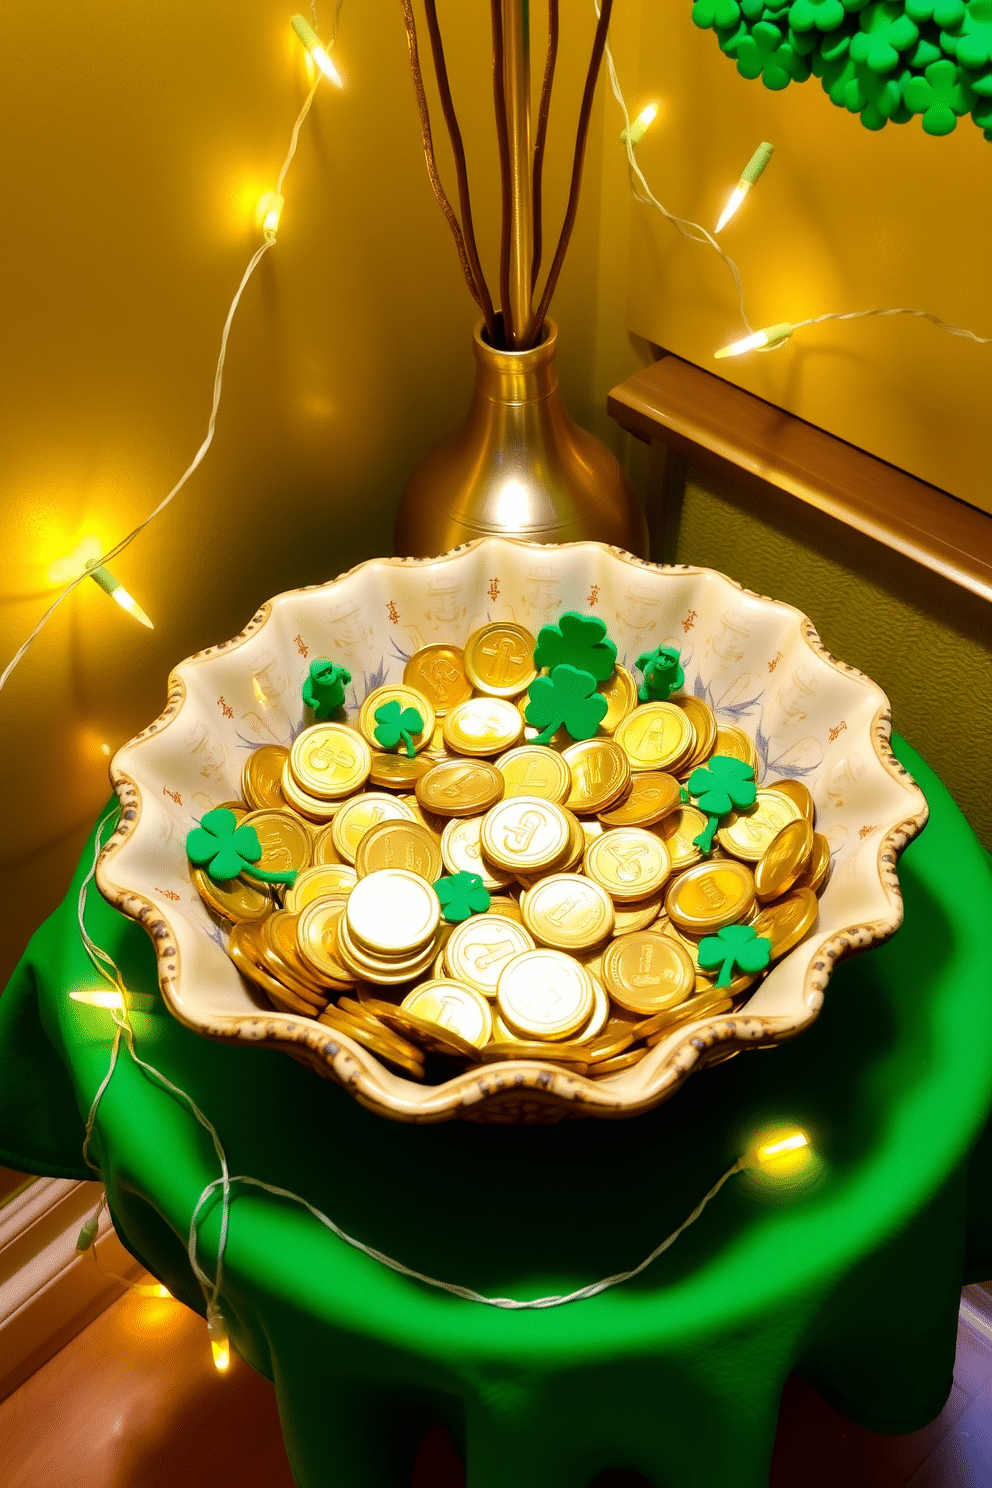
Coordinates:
<point>227,850</point>
<point>580,641</point>
<point>461,895</point>
<point>734,945</point>
<point>568,698</point>
<point>323,690</point>
<point>662,673</point>
<point>394,722</point>
<point>721,785</point>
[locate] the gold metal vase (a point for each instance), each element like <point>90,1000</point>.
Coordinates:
<point>518,467</point>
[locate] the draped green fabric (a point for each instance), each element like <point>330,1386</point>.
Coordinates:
<point>850,1273</point>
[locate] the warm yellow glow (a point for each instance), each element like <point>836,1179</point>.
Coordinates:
<point>128,603</point>
<point>74,565</point>
<point>640,125</point>
<point>787,1144</point>
<point>770,336</point>
<point>268,212</point>
<point>105,750</point>
<point>326,66</point>
<point>316,49</point>
<point>736,197</point>
<point>136,1002</point>
<point>513,504</point>
<point>149,1289</point>
<point>221,1350</point>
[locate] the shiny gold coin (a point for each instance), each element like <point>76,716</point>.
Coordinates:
<point>407,697</point>
<point>236,900</point>
<point>629,862</point>
<point>381,971</point>
<point>616,1035</point>
<point>592,828</point>
<point>705,898</point>
<point>499,659</point>
<point>687,943</point>
<point>652,796</point>
<point>244,949</point>
<point>735,743</point>
<point>816,869</point>
<point>437,749</point>
<point>606,1067</point>
<point>391,1049</point>
<point>647,973</point>
<point>707,1004</point>
<point>656,736</point>
<point>637,915</point>
<point>460,787</point>
<point>431,1036</point>
<point>314,883</point>
<point>570,859</point>
<point>398,771</point>
<point>545,994</point>
<point>481,947</point>
<point>455,1007</point>
<point>787,921</point>
<point>569,1057</point>
<point>285,842</point>
<point>262,776</point>
<point>434,824</point>
<point>402,844</point>
<point>749,833</point>
<point>329,760</point>
<point>284,960</point>
<point>393,912</point>
<point>359,815</point>
<point>600,775</point>
<point>461,852</point>
<point>505,908</point>
<point>599,1017</point>
<point>704,725</point>
<point>568,912</point>
<point>678,831</point>
<point>533,770</point>
<point>620,692</point>
<point>482,726</point>
<point>438,672</point>
<point>324,851</point>
<point>798,794</point>
<point>783,860</point>
<point>240,809</point>
<point>317,940</point>
<point>523,834</point>
<point>311,808</point>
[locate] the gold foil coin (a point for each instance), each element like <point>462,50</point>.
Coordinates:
<point>461,852</point>
<point>314,883</point>
<point>816,869</point>
<point>398,771</point>
<point>284,960</point>
<point>656,736</point>
<point>262,776</point>
<point>704,726</point>
<point>629,862</point>
<point>329,760</point>
<point>479,949</point>
<point>359,815</point>
<point>568,912</point>
<point>600,775</point>
<point>545,994</point>
<point>783,860</point>
<point>736,744</point>
<point>787,921</point>
<point>482,726</point>
<point>390,970</point>
<point>310,808</point>
<point>678,831</point>
<point>460,787</point>
<point>392,912</point>
<point>637,915</point>
<point>317,940</point>
<point>798,794</point>
<point>324,851</point>
<point>648,973</point>
<point>407,697</point>
<point>499,659</point>
<point>533,770</point>
<point>620,692</point>
<point>652,796</point>
<point>505,908</point>
<point>438,673</point>
<point>749,833</point>
<point>525,834</point>
<point>453,1006</point>
<point>285,841</point>
<point>709,896</point>
<point>599,1016</point>
<point>395,844</point>
<point>236,901</point>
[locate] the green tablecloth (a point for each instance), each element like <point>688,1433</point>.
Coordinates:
<point>853,1279</point>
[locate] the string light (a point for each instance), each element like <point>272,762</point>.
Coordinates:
<point>220,1343</point>
<point>795,1142</point>
<point>749,175</point>
<point>135,1002</point>
<point>85,560</point>
<point>770,336</point>
<point>315,47</point>
<point>268,212</point>
<point>635,132</point>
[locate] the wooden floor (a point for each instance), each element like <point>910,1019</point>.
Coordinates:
<point>134,1402</point>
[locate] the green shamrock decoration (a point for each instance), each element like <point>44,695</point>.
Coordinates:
<point>227,850</point>
<point>568,697</point>
<point>323,690</point>
<point>722,13</point>
<point>394,723</point>
<point>461,895</point>
<point>734,945</point>
<point>938,96</point>
<point>663,674</point>
<point>580,641</point>
<point>723,784</point>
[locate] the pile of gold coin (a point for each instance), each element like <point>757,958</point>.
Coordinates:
<point>589,952</point>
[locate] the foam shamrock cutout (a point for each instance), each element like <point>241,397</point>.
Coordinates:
<point>821,15</point>
<point>461,895</point>
<point>947,14</point>
<point>886,30</point>
<point>734,945</point>
<point>877,97</point>
<point>323,690</point>
<point>721,785</point>
<point>662,673</point>
<point>227,850</point>
<point>580,641</point>
<point>764,54</point>
<point>973,47</point>
<point>394,722</point>
<point>707,13</point>
<point>567,698</point>
<point>938,96</point>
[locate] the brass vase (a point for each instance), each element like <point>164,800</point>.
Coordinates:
<point>518,467</point>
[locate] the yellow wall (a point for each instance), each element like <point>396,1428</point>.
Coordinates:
<point>136,144</point>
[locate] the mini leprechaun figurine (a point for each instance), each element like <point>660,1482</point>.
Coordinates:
<point>662,673</point>
<point>323,690</point>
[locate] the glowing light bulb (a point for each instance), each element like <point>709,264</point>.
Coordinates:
<point>268,213</point>
<point>135,1002</point>
<point>749,175</point>
<point>640,125</point>
<point>792,1143</point>
<point>127,601</point>
<point>149,1289</point>
<point>75,564</point>
<point>770,336</point>
<point>220,1343</point>
<point>315,47</point>
<point>88,1234</point>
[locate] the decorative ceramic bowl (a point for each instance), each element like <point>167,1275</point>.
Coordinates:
<point>758,663</point>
